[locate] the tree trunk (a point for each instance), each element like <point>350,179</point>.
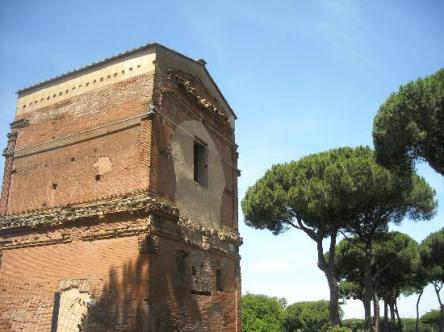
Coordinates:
<point>439,167</point>
<point>441,319</point>
<point>438,285</point>
<point>334,299</point>
<point>399,317</point>
<point>386,326</point>
<point>368,290</point>
<point>417,310</point>
<point>329,270</point>
<point>375,312</point>
<point>392,316</point>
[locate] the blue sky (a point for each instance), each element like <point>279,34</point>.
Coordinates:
<point>302,76</point>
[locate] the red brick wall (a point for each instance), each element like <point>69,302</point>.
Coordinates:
<point>133,291</point>
<point>177,305</point>
<point>68,165</point>
<point>178,108</point>
<point>30,276</point>
<point>7,172</point>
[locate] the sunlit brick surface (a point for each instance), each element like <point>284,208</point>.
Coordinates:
<point>101,227</point>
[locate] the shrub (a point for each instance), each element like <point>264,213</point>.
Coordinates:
<point>330,328</point>
<point>261,313</point>
<point>307,316</point>
<point>356,325</point>
<point>431,318</point>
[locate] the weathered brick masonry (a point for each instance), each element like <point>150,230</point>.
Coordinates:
<point>119,201</point>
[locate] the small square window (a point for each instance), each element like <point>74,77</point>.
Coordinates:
<point>200,163</point>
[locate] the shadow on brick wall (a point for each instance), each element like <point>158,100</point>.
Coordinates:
<point>136,298</point>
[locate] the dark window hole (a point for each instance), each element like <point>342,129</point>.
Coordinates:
<point>219,280</point>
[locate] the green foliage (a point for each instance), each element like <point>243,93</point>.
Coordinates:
<point>410,125</point>
<point>418,279</point>
<point>311,189</point>
<point>350,264</point>
<point>333,190</point>
<point>409,325</point>
<point>331,328</point>
<point>431,318</point>
<point>393,260</point>
<point>349,289</point>
<point>355,325</point>
<point>396,256</point>
<point>261,313</point>
<point>306,316</point>
<point>341,189</point>
<point>432,260</point>
<point>432,255</point>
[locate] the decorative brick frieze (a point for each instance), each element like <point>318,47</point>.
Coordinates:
<point>201,236</point>
<point>163,219</point>
<point>21,123</point>
<point>93,232</point>
<point>116,231</point>
<point>132,202</point>
<point>207,237</point>
<point>191,91</point>
<point>34,241</point>
<point>204,238</point>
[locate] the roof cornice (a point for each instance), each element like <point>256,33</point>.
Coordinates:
<point>100,63</point>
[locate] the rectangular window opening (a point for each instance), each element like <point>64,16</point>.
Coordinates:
<point>200,163</point>
<point>219,280</point>
<point>181,263</point>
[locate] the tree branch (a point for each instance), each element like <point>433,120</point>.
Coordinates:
<point>438,286</point>
<point>312,234</point>
<point>291,224</point>
<point>351,240</point>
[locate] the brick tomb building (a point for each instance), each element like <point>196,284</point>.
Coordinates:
<point>119,200</point>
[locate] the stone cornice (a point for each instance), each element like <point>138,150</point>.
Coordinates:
<point>81,233</point>
<point>103,62</point>
<point>149,229</point>
<point>7,153</point>
<point>21,123</point>
<point>198,235</point>
<point>207,237</point>
<point>162,218</point>
<point>131,202</point>
<point>12,135</point>
<point>191,91</point>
